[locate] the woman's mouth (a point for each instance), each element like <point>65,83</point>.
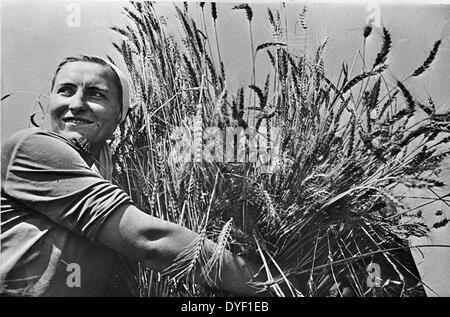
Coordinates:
<point>76,120</point>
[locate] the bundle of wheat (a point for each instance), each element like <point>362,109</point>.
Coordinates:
<point>301,176</point>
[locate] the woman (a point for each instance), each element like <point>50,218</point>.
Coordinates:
<point>57,210</point>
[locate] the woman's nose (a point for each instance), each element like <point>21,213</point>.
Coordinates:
<point>78,102</point>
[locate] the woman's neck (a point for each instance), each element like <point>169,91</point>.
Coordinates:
<point>95,151</point>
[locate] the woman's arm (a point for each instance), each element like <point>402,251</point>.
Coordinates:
<point>68,192</point>
<point>157,243</point>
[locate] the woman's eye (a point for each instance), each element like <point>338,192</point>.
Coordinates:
<point>97,94</point>
<point>65,91</point>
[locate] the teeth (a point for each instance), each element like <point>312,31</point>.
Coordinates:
<point>76,121</point>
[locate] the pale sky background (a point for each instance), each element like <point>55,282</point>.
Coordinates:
<point>35,36</point>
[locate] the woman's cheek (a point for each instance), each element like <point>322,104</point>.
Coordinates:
<point>58,106</point>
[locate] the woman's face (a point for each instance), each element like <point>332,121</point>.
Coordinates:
<point>84,102</point>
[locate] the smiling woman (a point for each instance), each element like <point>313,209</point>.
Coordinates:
<point>84,101</point>
<point>59,212</point>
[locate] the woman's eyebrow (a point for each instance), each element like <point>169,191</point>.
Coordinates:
<point>65,84</point>
<point>101,87</point>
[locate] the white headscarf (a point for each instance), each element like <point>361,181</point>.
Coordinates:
<point>124,86</point>
<point>104,165</point>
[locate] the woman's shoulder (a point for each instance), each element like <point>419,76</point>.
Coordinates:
<point>34,134</point>
<point>36,140</point>
<point>38,132</point>
<point>25,132</point>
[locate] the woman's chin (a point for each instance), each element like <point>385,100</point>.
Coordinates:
<point>74,135</point>
<point>82,136</point>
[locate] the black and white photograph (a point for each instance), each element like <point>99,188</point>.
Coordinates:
<point>225,153</point>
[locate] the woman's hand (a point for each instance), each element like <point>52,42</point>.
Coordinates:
<point>157,243</point>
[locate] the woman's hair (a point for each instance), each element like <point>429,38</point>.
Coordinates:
<point>95,60</point>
